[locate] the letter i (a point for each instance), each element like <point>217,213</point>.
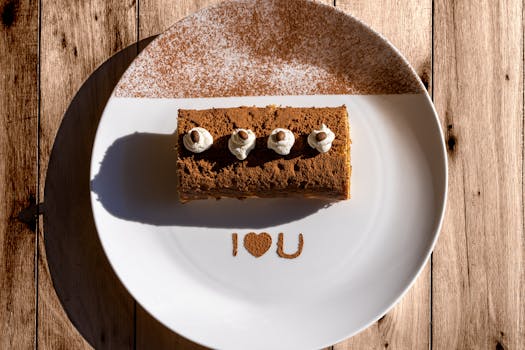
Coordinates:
<point>234,244</point>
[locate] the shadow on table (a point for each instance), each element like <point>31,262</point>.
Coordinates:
<point>94,299</point>
<point>137,182</point>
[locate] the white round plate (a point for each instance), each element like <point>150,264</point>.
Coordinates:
<point>359,256</point>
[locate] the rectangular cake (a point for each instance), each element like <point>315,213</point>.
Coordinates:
<point>305,171</point>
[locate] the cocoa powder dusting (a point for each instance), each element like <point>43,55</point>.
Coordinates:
<point>280,247</point>
<point>303,172</point>
<point>234,244</point>
<point>257,244</point>
<point>257,47</point>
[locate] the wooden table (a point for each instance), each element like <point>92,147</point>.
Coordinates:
<point>468,52</point>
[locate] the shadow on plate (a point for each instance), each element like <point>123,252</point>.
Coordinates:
<point>95,301</point>
<point>137,182</point>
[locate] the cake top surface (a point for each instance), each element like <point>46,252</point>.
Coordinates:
<point>304,169</point>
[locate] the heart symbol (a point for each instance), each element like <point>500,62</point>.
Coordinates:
<point>257,244</point>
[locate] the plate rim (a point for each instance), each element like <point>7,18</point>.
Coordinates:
<point>440,210</point>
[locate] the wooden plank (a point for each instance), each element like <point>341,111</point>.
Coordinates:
<point>155,16</point>
<point>85,283</point>
<point>151,334</point>
<point>76,37</point>
<point>408,25</point>
<point>18,171</point>
<point>478,285</point>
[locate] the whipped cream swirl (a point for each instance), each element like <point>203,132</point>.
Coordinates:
<point>281,141</point>
<point>321,139</point>
<point>241,143</point>
<point>197,140</point>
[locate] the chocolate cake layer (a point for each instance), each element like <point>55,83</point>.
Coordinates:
<point>304,172</point>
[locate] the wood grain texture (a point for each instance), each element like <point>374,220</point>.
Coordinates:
<point>478,286</point>
<point>76,37</point>
<point>18,171</point>
<point>96,303</point>
<point>408,25</point>
<point>151,334</point>
<point>155,16</point>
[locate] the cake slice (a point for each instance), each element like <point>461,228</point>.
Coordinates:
<point>210,153</point>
